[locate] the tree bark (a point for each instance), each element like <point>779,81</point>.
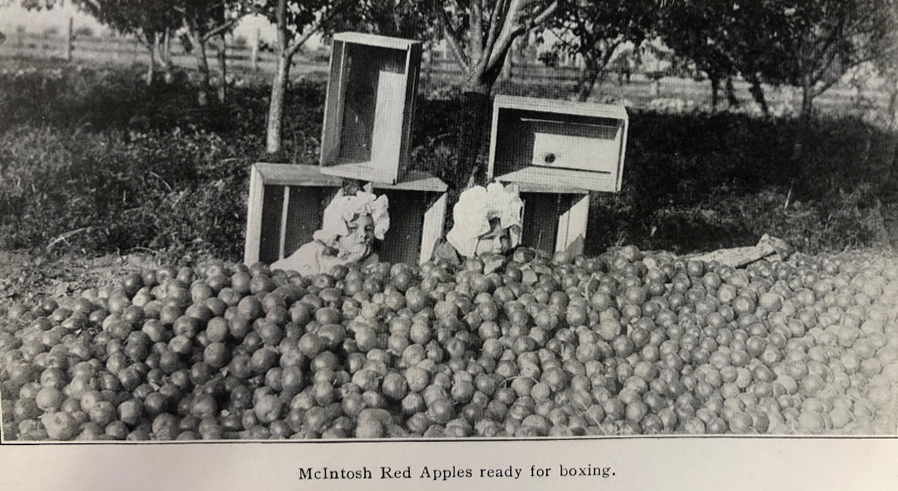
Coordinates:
<point>732,100</point>
<point>151,64</point>
<point>202,64</point>
<point>757,93</point>
<point>276,106</point>
<point>715,92</point>
<point>279,83</point>
<point>807,99</point>
<point>474,116</point>
<point>166,58</point>
<point>587,80</point>
<point>222,69</point>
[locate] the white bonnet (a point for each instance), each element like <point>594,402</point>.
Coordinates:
<point>476,207</point>
<point>343,209</point>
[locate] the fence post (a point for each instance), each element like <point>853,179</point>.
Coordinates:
<point>69,34</point>
<point>254,53</point>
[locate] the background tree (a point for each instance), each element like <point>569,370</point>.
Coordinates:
<point>829,37</point>
<point>396,18</point>
<point>698,31</point>
<point>147,20</point>
<point>29,5</point>
<point>479,34</point>
<point>205,20</point>
<point>595,29</point>
<point>296,22</point>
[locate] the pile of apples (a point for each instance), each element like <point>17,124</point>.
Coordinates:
<point>524,345</point>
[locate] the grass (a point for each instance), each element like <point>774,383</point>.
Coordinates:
<point>93,161</point>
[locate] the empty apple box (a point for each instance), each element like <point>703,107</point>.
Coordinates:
<point>554,221</point>
<point>370,106</point>
<point>561,144</point>
<point>287,202</point>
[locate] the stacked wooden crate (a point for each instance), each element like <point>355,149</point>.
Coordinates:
<point>557,152</point>
<point>366,137</point>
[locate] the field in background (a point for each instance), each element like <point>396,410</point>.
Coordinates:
<point>439,70</point>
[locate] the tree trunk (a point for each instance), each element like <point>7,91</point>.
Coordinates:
<point>807,100</point>
<point>276,106</point>
<point>222,69</point>
<point>151,65</point>
<point>166,58</point>
<point>202,64</point>
<point>587,80</point>
<point>474,117</point>
<point>732,100</point>
<point>715,92</point>
<point>69,37</point>
<point>254,53</point>
<point>757,93</point>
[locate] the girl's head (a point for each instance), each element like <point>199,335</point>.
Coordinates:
<point>351,223</point>
<point>360,236</point>
<point>487,219</point>
<point>497,240</point>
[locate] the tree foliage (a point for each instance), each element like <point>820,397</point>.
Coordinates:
<point>479,33</point>
<point>407,19</point>
<point>809,44</point>
<point>144,19</point>
<point>594,30</point>
<point>296,21</point>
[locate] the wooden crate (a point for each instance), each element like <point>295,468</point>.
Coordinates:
<point>369,107</point>
<point>286,203</point>
<point>571,145</point>
<point>554,220</point>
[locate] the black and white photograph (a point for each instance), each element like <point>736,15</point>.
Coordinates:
<point>245,221</point>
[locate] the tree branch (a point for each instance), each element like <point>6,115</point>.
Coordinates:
<point>496,19</point>
<point>452,40</point>
<point>476,21</point>
<point>512,27</point>
<point>323,19</point>
<point>218,30</point>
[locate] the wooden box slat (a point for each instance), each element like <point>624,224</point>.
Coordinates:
<point>312,176</point>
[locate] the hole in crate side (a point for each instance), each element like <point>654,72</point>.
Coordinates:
<point>402,242</point>
<point>541,212</point>
<point>375,84</point>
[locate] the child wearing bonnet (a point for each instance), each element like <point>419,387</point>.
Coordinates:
<point>349,226</point>
<point>486,220</point>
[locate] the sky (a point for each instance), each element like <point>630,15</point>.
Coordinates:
<point>37,21</point>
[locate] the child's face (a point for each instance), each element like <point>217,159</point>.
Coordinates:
<point>360,237</point>
<point>497,240</point>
